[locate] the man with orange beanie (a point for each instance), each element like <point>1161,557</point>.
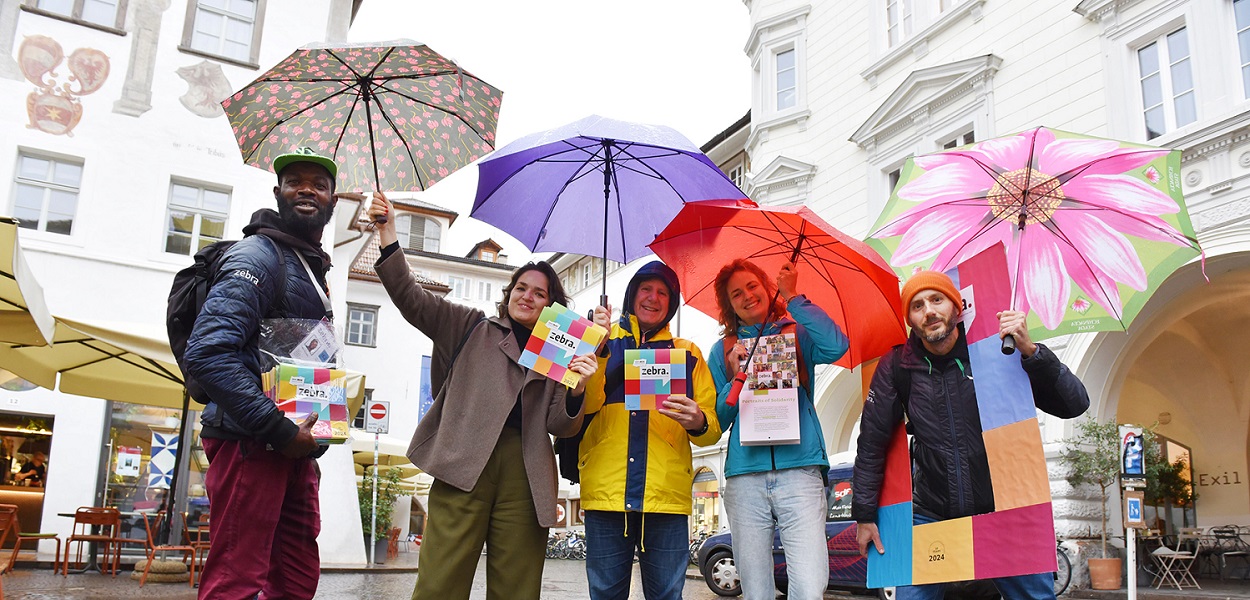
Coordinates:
<point>928,380</point>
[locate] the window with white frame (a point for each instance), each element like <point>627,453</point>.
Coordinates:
<point>225,28</point>
<point>358,422</point>
<point>106,13</point>
<point>899,20</point>
<point>418,233</point>
<point>587,274</point>
<point>362,325</point>
<point>485,290</point>
<point>962,139</point>
<point>46,197</point>
<point>459,286</point>
<point>196,217</point>
<point>787,80</point>
<point>737,173</point>
<point>1165,74</point>
<point>487,256</point>
<point>778,53</point>
<point>1241,11</point>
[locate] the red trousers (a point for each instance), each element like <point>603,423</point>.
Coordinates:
<point>264,518</point>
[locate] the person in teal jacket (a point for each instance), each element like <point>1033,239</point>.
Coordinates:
<point>781,483</point>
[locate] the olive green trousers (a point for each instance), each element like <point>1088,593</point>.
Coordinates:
<point>498,512</point>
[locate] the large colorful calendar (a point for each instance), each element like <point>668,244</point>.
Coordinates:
<point>651,376</point>
<point>559,336</point>
<point>300,391</point>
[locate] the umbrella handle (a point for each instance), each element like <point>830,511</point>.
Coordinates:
<point>381,219</point>
<point>1009,344</point>
<point>739,380</point>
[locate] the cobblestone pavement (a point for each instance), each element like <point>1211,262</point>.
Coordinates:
<point>562,580</point>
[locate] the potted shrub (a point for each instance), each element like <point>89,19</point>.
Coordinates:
<point>1168,486</point>
<point>1093,456</point>
<point>388,493</point>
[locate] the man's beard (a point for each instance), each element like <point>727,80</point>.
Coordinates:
<point>936,337</point>
<point>300,225</point>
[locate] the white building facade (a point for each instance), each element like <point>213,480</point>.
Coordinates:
<point>844,92</point>
<point>120,165</point>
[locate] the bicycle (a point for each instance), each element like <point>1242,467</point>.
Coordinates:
<point>1063,574</point>
<point>695,544</point>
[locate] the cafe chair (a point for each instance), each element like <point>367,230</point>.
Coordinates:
<point>1229,546</point>
<point>94,525</point>
<point>197,536</point>
<point>9,522</point>
<point>1176,563</point>
<point>392,543</point>
<point>152,548</point>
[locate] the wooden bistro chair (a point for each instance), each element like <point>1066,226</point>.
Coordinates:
<point>188,552</point>
<point>97,525</point>
<point>9,521</point>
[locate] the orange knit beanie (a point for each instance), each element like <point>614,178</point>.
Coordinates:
<point>931,280</point>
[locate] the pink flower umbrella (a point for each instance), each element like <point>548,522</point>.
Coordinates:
<point>1091,226</point>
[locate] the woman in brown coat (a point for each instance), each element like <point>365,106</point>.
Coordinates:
<point>486,439</point>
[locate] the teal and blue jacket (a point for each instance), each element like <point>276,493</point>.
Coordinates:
<point>820,342</point>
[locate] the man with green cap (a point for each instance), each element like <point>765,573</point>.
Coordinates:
<point>263,480</point>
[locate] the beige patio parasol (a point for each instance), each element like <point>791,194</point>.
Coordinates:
<point>24,318</point>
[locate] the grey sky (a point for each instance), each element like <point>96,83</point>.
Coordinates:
<point>677,62</point>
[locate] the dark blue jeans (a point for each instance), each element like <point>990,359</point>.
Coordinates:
<point>663,545</point>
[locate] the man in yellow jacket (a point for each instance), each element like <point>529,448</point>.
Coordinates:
<point>635,465</point>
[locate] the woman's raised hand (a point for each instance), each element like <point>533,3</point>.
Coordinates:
<point>787,282</point>
<point>381,207</point>
<point>584,365</point>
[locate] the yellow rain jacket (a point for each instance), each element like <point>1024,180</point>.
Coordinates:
<point>639,461</point>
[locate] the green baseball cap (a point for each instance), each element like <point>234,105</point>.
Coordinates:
<point>305,154</point>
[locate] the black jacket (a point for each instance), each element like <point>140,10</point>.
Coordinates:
<point>222,352</point>
<point>950,472</point>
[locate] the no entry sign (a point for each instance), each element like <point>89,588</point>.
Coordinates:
<point>377,417</point>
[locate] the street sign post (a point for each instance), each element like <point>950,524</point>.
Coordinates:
<point>378,417</point>
<point>377,422</point>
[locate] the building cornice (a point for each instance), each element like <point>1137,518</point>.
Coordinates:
<point>919,43</point>
<point>903,108</point>
<point>796,16</point>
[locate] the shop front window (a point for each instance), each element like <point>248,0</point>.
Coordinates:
<point>144,443</point>
<point>25,465</point>
<point>706,517</point>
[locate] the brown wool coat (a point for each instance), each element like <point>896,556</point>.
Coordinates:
<point>456,437</point>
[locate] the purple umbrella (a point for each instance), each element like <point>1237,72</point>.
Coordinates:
<point>545,189</point>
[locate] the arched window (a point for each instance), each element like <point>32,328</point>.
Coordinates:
<point>418,233</point>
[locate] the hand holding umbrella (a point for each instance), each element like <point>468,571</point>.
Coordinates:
<point>378,210</point>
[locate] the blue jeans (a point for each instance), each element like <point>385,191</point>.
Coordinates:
<point>663,547</point>
<point>1040,586</point>
<point>795,499</point>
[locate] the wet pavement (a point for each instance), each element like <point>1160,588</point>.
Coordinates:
<point>562,580</point>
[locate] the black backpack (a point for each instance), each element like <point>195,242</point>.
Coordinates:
<point>186,299</point>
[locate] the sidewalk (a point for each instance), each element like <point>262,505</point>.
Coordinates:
<point>1211,589</point>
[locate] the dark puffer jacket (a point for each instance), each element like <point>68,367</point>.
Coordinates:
<point>222,352</point>
<point>950,470</point>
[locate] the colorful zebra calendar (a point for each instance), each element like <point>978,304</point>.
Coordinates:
<point>651,376</point>
<point>299,391</point>
<point>559,336</point>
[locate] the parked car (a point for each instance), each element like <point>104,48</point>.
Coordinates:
<point>847,569</point>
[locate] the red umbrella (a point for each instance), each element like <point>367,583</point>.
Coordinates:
<point>838,273</point>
